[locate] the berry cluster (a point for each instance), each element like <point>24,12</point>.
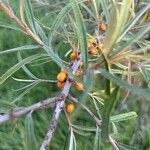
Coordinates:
<point>61,79</point>
<point>93,48</point>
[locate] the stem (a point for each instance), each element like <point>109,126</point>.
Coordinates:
<point>108,106</point>
<point>59,106</point>
<point>107,81</point>
<point>50,102</point>
<point>9,12</point>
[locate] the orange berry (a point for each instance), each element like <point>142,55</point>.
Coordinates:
<point>60,85</point>
<point>69,108</point>
<point>74,55</point>
<point>61,77</point>
<point>79,86</point>
<point>103,26</point>
<point>93,52</point>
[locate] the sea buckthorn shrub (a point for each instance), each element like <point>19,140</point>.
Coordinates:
<point>79,73</point>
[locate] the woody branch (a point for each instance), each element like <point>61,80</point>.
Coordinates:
<point>46,103</point>
<point>59,106</point>
<point>50,102</point>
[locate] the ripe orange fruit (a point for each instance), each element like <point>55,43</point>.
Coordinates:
<point>103,26</point>
<point>69,108</point>
<point>74,55</point>
<point>79,86</point>
<point>93,52</point>
<point>60,85</point>
<point>61,77</point>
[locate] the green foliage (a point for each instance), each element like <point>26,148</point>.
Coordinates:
<point>81,32</point>
<point>122,117</point>
<point>22,48</point>
<point>120,70</point>
<point>97,139</point>
<point>16,67</point>
<point>30,137</point>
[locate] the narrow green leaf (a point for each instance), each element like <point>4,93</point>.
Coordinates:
<point>141,50</point>
<point>82,133</point>
<point>29,88</point>
<point>89,129</point>
<point>8,26</point>
<point>58,21</point>
<point>74,142</point>
<point>118,18</point>
<point>71,140</point>
<point>134,21</point>
<point>97,139</point>
<point>88,81</point>
<point>31,14</point>
<point>41,33</point>
<point>21,48</point>
<point>30,134</point>
<point>24,87</point>
<point>26,70</point>
<point>16,67</point>
<point>127,147</point>
<point>96,8</point>
<point>98,3</point>
<point>104,5</point>
<point>88,10</point>
<point>81,31</point>
<point>66,143</point>
<point>123,117</point>
<point>134,38</point>
<point>40,62</point>
<point>136,90</point>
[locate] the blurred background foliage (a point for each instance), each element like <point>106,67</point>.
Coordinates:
<point>131,135</point>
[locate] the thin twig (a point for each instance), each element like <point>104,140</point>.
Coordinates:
<point>50,102</point>
<point>9,12</point>
<point>59,106</point>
